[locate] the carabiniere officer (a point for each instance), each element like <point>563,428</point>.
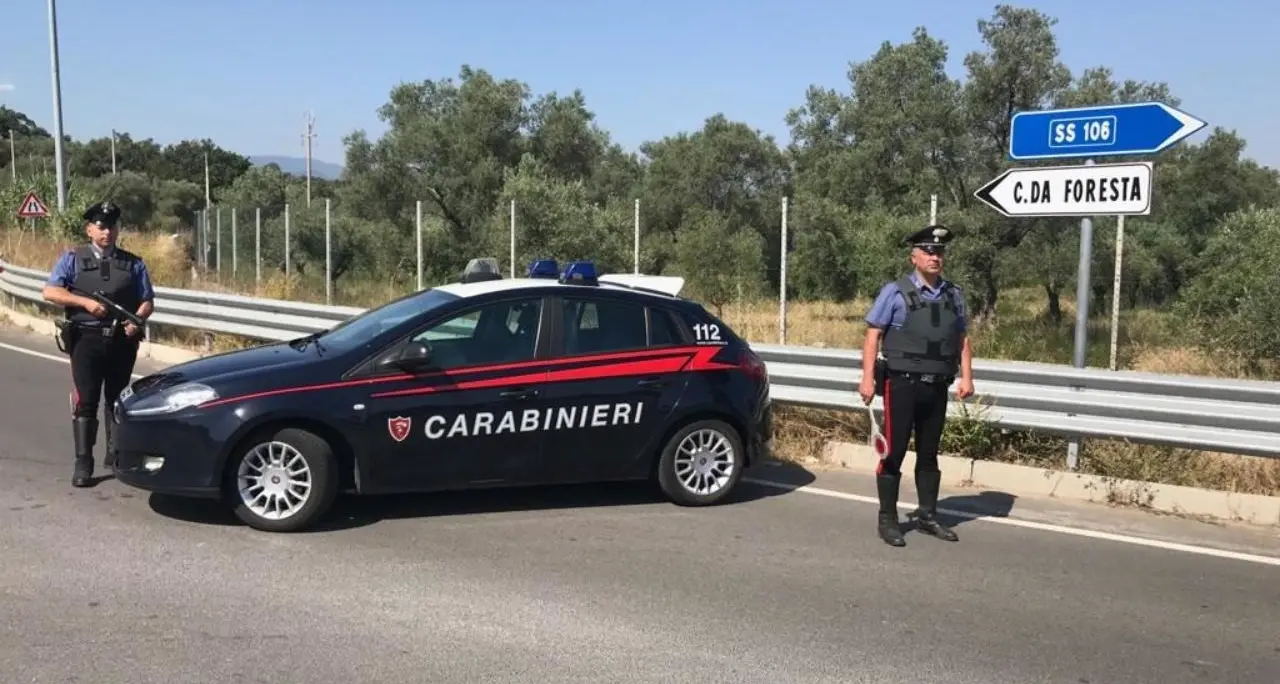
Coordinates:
<point>918,325</point>
<point>102,348</point>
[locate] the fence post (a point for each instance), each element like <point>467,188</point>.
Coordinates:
<point>257,245</point>
<point>288,268</point>
<point>328,280</point>
<point>637,237</point>
<point>418,223</point>
<point>1115,289</point>
<point>782,279</point>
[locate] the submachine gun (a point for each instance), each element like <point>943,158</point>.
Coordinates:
<point>68,332</point>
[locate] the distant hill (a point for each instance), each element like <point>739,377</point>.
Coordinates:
<point>298,166</point>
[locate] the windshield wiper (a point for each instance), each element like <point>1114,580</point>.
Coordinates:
<point>301,343</point>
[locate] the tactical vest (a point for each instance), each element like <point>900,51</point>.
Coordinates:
<point>112,276</point>
<point>927,342</point>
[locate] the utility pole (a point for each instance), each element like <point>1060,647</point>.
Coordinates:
<point>113,151</point>
<point>57,105</point>
<point>307,137</point>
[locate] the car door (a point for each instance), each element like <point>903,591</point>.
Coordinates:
<point>470,417</point>
<point>615,380</point>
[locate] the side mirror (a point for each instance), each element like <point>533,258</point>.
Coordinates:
<point>412,356</point>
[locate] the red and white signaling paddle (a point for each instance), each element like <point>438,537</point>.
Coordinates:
<point>877,440</point>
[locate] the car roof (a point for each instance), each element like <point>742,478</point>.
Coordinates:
<point>656,287</point>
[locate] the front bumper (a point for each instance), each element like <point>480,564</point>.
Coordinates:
<point>167,455</point>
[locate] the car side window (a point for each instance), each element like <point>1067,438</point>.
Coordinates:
<point>502,332</point>
<point>661,330</point>
<point>597,326</point>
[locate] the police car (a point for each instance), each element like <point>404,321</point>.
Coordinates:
<point>558,377</point>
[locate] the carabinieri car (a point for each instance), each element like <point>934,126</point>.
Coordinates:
<point>558,377</point>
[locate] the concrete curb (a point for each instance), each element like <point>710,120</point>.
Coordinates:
<point>1021,480</point>
<point>148,349</point>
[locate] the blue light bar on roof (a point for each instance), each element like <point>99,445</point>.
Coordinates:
<point>579,273</point>
<point>544,268</point>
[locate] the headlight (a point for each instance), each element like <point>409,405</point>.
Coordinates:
<point>173,399</point>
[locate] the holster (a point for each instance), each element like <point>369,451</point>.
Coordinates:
<point>881,370</point>
<point>67,336</point>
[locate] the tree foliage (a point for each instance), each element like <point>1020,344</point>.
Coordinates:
<point>859,171</point>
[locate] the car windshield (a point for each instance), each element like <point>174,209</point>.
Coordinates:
<point>360,329</point>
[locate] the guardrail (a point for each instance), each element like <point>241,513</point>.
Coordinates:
<point>252,317</point>
<point>1211,414</point>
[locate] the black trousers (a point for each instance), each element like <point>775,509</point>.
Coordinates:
<point>912,408</point>
<point>101,368</point>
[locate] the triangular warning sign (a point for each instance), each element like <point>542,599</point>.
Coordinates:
<point>32,207</point>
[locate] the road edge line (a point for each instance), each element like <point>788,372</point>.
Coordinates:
<point>1028,524</point>
<point>1257,510</point>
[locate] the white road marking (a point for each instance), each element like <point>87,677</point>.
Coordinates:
<point>907,505</point>
<point>1043,527</point>
<point>42,355</point>
<point>32,352</point>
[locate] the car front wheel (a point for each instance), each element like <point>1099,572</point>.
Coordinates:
<point>701,463</point>
<point>282,482</point>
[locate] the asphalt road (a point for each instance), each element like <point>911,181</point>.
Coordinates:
<point>602,584</point>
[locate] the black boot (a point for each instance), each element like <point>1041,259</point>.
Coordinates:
<point>887,487</point>
<point>86,433</point>
<point>109,459</point>
<point>927,485</point>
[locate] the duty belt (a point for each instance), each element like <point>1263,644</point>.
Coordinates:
<point>925,378</point>
<point>103,330</point>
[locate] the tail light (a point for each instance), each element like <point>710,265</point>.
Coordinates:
<point>753,365</point>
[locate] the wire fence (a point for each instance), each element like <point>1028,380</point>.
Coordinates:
<point>234,242</point>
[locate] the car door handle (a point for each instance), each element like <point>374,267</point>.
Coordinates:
<point>652,382</point>
<point>519,394</point>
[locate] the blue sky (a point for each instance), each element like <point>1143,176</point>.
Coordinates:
<point>244,72</point>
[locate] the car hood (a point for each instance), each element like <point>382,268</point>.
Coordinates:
<point>226,365</point>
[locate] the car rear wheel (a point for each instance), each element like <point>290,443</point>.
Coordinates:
<point>282,481</point>
<point>701,463</point>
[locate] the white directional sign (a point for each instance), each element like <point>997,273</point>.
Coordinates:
<point>1094,190</point>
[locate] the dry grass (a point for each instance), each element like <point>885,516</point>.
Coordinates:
<point>1022,332</point>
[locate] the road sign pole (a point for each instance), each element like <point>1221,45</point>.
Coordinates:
<point>1082,288</point>
<point>1082,315</point>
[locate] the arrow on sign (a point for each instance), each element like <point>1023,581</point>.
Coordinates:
<point>32,207</point>
<point>1096,190</point>
<point>1106,131</point>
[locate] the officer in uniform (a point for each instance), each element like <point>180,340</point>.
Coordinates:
<point>102,347</point>
<point>918,326</point>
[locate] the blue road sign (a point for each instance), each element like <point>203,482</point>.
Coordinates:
<point>1105,131</point>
